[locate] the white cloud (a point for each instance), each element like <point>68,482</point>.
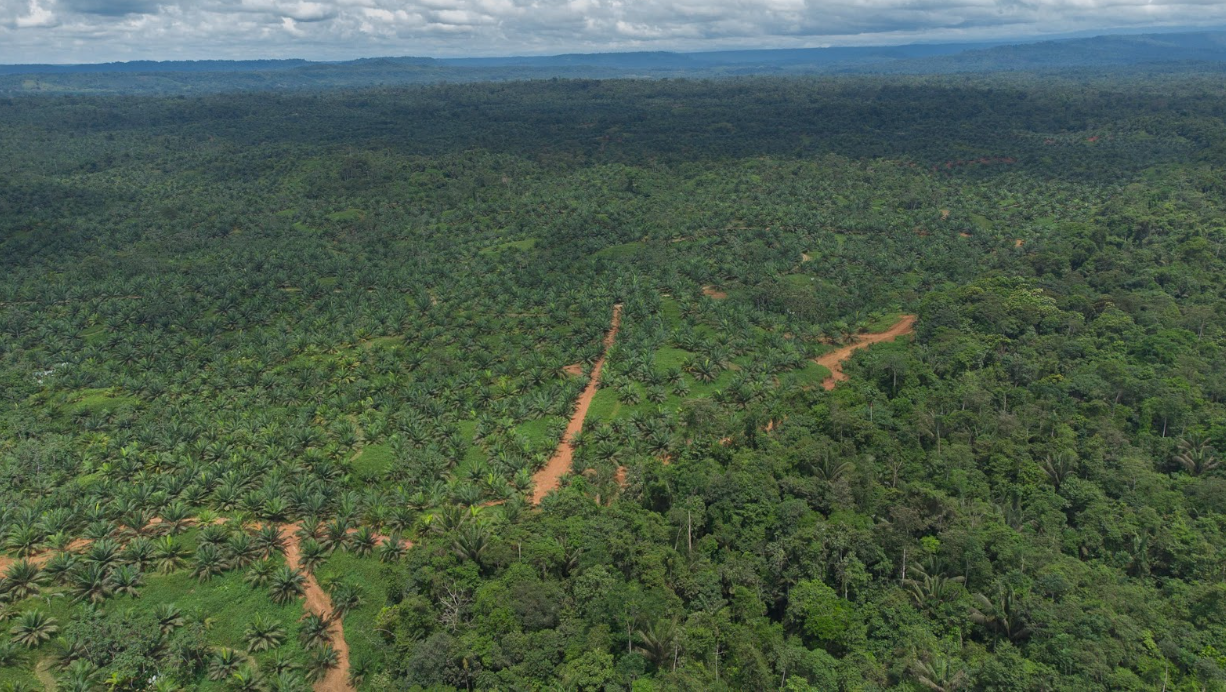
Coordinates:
<point>38,17</point>
<point>98,30</point>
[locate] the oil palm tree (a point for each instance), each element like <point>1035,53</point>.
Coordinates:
<point>126,580</point>
<point>315,631</point>
<point>208,562</point>
<point>33,628</point>
<point>169,617</point>
<point>263,634</point>
<point>23,580</point>
<point>286,585</point>
<point>169,555</point>
<point>222,663</point>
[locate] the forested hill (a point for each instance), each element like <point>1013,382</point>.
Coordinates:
<point>281,375</point>
<point>1206,50</point>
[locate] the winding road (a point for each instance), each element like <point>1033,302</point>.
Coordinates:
<point>833,361</point>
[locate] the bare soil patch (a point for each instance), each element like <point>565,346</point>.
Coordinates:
<point>548,478</point>
<point>575,369</point>
<point>713,293</point>
<point>833,361</point>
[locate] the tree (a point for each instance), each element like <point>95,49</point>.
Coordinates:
<point>286,585</point>
<point>33,628</point>
<point>263,635</point>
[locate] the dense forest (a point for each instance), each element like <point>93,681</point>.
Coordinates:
<point>263,352</point>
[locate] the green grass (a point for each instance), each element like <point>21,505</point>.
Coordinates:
<point>98,401</point>
<point>373,461</point>
<point>811,374</point>
<point>230,604</point>
<point>981,222</point>
<point>383,342</point>
<point>605,406</point>
<point>537,431</point>
<point>621,251</point>
<point>347,215</point>
<point>669,357</point>
<point>670,311</point>
<point>94,334</point>
<point>370,575</point>
<point>880,324</point>
<point>522,245</point>
<point>21,675</point>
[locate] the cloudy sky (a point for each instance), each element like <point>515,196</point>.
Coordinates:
<point>105,30</point>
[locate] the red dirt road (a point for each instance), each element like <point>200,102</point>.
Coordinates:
<point>317,600</point>
<point>833,361</point>
<point>547,479</point>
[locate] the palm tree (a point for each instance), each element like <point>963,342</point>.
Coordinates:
<point>286,585</point>
<point>471,542</point>
<point>259,574</point>
<point>34,628</point>
<point>392,549</point>
<point>139,553</point>
<point>268,540</point>
<point>1001,616</point>
<point>208,562</point>
<point>104,552</point>
<point>315,631</point>
<point>240,550</point>
<point>345,597</point>
<point>60,567</point>
<point>91,582</point>
<point>940,675</point>
<point>222,663</point>
<point>169,555</point>
<point>319,662</point>
<point>126,580</point>
<point>362,541</point>
<point>288,681</point>
<point>24,540</point>
<point>1059,467</point>
<point>246,679</point>
<point>928,586</point>
<point>1196,456</point>
<point>659,641</point>
<point>311,554</point>
<point>23,580</point>
<point>169,617</point>
<point>263,635</point>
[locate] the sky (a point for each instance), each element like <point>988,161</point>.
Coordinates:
<point>88,31</point>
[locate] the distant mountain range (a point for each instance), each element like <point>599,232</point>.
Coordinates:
<point>1203,49</point>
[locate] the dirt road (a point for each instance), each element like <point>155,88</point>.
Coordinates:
<point>547,479</point>
<point>317,600</point>
<point>833,361</point>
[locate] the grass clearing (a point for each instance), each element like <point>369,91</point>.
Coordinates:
<point>347,215</point>
<point>521,245</point>
<point>228,603</point>
<point>811,374</point>
<point>669,357</point>
<point>373,461</point>
<point>882,323</point>
<point>622,251</point>
<point>103,400</point>
<point>93,335</point>
<point>369,575</point>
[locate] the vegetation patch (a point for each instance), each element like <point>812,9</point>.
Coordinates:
<point>521,245</point>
